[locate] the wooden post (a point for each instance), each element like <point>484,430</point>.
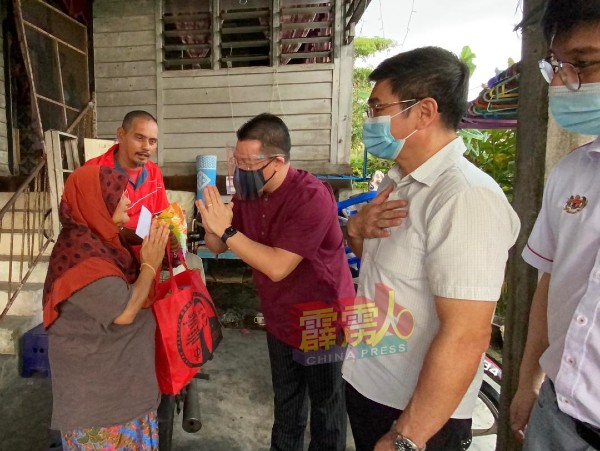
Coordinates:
<point>528,190</point>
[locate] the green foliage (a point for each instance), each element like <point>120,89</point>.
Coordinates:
<point>361,88</point>
<point>366,47</point>
<point>468,57</point>
<point>494,152</point>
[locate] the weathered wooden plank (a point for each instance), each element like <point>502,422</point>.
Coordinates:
<point>225,125</point>
<point>2,99</point>
<point>107,114</point>
<point>247,109</point>
<point>296,122</point>
<point>314,166</point>
<point>5,169</point>
<point>126,69</point>
<point>302,68</point>
<point>124,38</point>
<point>3,143</point>
<point>3,130</point>
<point>107,130</point>
<point>3,156</point>
<point>283,78</point>
<point>122,54</point>
<point>189,155</point>
<point>126,98</point>
<point>125,84</point>
<point>117,24</point>
<point>194,140</point>
<point>119,8</point>
<point>247,94</point>
<point>3,115</point>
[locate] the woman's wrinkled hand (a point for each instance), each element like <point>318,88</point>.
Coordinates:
<point>154,245</point>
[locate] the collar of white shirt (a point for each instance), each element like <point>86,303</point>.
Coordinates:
<point>431,169</point>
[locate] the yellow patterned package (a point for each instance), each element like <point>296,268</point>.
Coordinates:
<point>174,217</point>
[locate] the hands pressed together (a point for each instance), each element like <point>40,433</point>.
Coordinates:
<point>216,215</point>
<point>154,245</point>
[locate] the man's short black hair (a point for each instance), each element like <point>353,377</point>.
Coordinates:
<point>136,114</point>
<point>271,131</point>
<point>429,72</point>
<point>562,15</point>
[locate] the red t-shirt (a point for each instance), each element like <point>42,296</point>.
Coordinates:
<point>147,190</point>
<point>300,217</point>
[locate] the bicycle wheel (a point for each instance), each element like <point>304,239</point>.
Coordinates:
<point>485,416</point>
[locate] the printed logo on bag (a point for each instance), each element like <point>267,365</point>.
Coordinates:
<point>372,328</point>
<point>575,204</point>
<point>190,326</point>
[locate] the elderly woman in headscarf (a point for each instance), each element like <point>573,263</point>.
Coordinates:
<point>101,336</point>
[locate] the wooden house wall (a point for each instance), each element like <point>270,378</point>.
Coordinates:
<point>199,110</point>
<point>124,60</point>
<point>4,167</point>
<point>203,109</point>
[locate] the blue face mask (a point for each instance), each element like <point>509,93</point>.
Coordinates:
<point>576,111</point>
<point>378,138</point>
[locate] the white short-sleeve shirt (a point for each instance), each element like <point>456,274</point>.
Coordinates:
<point>565,242</point>
<point>454,244</point>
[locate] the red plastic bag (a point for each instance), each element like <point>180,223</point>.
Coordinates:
<point>188,328</point>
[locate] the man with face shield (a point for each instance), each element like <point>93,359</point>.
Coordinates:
<point>283,223</point>
<point>434,245</point>
<point>557,403</point>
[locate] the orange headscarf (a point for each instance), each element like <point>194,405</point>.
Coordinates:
<point>88,247</point>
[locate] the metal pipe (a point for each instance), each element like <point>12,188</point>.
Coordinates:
<point>191,421</point>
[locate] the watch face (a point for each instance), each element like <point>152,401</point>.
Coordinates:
<point>401,444</point>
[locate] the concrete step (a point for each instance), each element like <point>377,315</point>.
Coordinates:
<point>28,301</point>
<point>14,243</point>
<point>20,220</point>
<point>18,271</point>
<point>12,329</point>
<point>29,200</point>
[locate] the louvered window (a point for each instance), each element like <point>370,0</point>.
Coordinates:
<point>306,32</point>
<point>204,34</point>
<point>187,35</point>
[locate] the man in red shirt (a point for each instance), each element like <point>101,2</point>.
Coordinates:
<point>283,223</point>
<point>137,142</point>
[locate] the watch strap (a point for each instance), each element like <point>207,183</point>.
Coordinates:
<point>229,232</point>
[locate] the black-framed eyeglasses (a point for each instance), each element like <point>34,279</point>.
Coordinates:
<point>371,109</point>
<point>568,72</point>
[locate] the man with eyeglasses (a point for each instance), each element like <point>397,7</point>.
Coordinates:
<point>283,223</point>
<point>434,245</point>
<point>561,362</point>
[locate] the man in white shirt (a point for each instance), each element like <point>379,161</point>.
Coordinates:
<point>421,323</point>
<point>562,353</point>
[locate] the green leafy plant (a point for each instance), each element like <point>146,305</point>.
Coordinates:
<point>494,152</point>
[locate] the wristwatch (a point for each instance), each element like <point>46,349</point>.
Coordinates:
<point>402,443</point>
<point>229,232</point>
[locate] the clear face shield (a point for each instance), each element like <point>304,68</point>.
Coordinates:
<point>245,174</point>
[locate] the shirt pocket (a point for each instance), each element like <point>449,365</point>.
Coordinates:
<point>401,254</point>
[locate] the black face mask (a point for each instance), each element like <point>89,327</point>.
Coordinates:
<point>249,184</point>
